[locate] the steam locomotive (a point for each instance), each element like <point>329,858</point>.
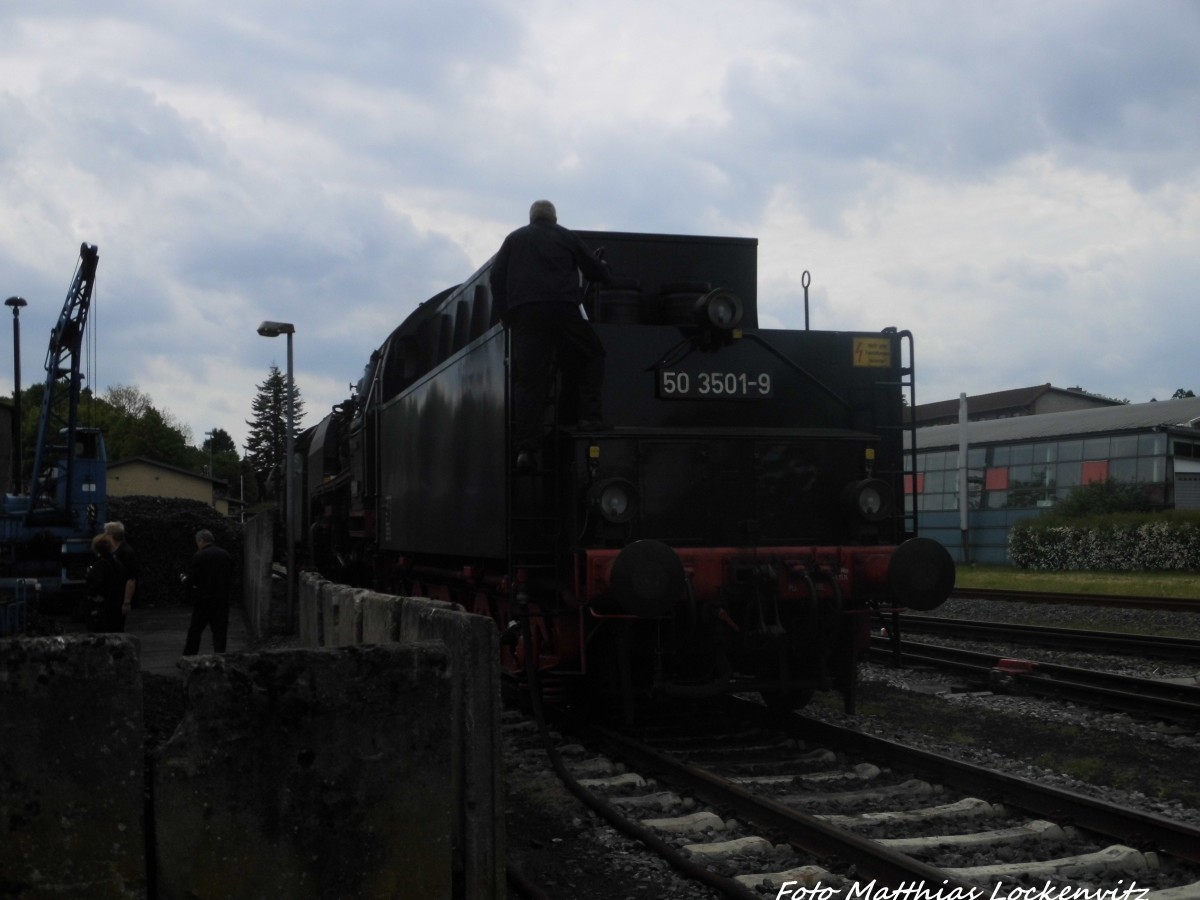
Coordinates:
<point>731,527</point>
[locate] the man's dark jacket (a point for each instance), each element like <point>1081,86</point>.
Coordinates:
<point>539,263</point>
<point>211,574</point>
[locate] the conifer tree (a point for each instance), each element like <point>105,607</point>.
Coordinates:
<point>266,443</point>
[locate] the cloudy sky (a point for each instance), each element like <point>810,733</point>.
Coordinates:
<point>1017,183</point>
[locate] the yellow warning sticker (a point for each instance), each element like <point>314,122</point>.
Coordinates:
<point>873,352</point>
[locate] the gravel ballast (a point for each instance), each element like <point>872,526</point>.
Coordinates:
<point>1110,756</point>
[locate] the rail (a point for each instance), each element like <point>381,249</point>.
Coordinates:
<point>1167,604</point>
<point>1157,646</point>
<point>1142,697</point>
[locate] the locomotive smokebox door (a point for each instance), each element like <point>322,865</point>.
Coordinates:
<point>647,579</point>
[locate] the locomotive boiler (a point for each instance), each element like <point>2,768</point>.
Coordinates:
<point>731,527</point>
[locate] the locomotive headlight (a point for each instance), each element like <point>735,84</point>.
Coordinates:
<point>868,499</point>
<point>616,499</point>
<point>720,309</point>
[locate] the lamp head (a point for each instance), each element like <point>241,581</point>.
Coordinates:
<point>274,329</point>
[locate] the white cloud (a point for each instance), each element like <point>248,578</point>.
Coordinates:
<point>1016,184</point>
<point>1039,273</point>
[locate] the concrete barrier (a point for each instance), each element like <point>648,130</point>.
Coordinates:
<point>327,610</point>
<point>72,776</point>
<point>309,623</point>
<point>309,774</point>
<point>372,770</point>
<point>350,618</point>
<point>477,757</point>
<point>472,643</point>
<point>380,619</point>
<point>257,547</point>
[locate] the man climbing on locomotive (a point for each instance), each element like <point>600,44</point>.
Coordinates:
<point>536,286</point>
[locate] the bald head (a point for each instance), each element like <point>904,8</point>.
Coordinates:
<point>544,210</point>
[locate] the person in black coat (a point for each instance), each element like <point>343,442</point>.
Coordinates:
<point>128,559</point>
<point>536,286</point>
<point>106,587</point>
<point>208,580</point>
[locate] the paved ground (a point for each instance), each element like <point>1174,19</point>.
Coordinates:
<point>162,632</point>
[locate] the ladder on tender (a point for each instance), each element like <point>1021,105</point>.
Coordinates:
<point>534,537</point>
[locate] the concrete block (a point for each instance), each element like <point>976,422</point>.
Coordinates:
<point>327,613</point>
<point>72,775</point>
<point>349,616</point>
<point>308,620</point>
<point>380,618</point>
<point>309,774</point>
<point>257,547</point>
<point>474,645</point>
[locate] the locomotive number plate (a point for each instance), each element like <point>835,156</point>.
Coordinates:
<point>713,385</point>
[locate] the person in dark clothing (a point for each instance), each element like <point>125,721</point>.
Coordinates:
<point>128,560</point>
<point>106,587</point>
<point>208,579</point>
<point>535,282</point>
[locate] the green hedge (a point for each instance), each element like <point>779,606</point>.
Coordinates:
<point>1128,542</point>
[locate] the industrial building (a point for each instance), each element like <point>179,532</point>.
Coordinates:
<point>1022,464</point>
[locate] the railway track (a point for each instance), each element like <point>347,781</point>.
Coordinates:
<point>1010,667</point>
<point>768,805</point>
<point>1141,697</point>
<point>1155,646</point>
<point>1170,604</point>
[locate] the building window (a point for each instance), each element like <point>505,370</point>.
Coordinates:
<point>1070,450</point>
<point>1123,469</point>
<point>1067,475</point>
<point>1045,453</point>
<point>1022,455</point>
<point>1123,445</point>
<point>1028,475</point>
<point>1042,474</point>
<point>934,462</point>
<point>996,480</point>
<point>1152,444</point>
<point>1152,469</point>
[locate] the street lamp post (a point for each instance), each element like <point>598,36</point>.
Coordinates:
<point>16,303</point>
<point>212,439</point>
<point>274,329</point>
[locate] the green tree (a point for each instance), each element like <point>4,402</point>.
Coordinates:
<point>134,426</point>
<point>1100,498</point>
<point>221,460</point>
<point>219,441</point>
<point>1180,394</point>
<point>266,445</point>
